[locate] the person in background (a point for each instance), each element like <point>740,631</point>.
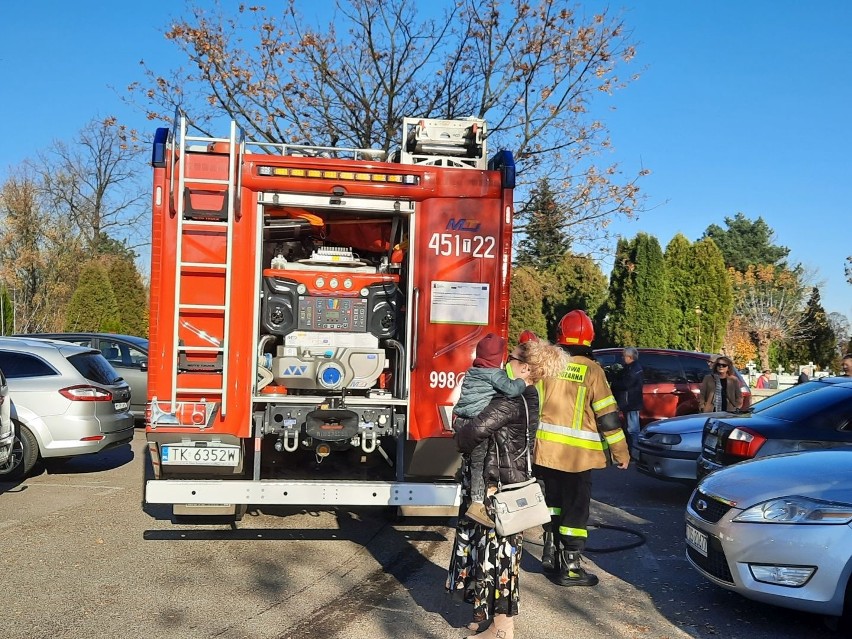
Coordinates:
<point>579,430</point>
<point>484,566</point>
<point>720,390</point>
<point>628,393</point>
<point>763,380</point>
<point>803,377</point>
<point>846,365</point>
<point>481,382</point>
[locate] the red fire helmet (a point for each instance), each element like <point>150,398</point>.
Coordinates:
<point>575,328</point>
<point>527,336</point>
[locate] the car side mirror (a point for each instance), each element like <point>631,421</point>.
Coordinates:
<point>143,365</point>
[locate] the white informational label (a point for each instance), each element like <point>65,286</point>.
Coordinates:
<point>459,303</point>
<point>317,338</point>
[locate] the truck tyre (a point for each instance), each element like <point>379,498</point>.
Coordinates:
<point>24,455</point>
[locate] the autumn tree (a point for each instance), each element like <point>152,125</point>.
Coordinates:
<point>39,254</point>
<point>745,243</point>
<point>532,70</point>
<point>768,302</point>
<point>840,326</point>
<point>93,181</point>
<point>93,306</point>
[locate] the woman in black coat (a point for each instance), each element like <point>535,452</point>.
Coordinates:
<point>484,565</point>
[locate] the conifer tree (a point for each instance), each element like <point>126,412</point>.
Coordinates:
<point>543,222</point>
<point>525,304</point>
<point>816,342</point>
<point>130,296</point>
<point>93,306</point>
<point>745,243</point>
<point>575,282</point>
<point>7,313</point>
<point>637,309</point>
<point>682,303</point>
<point>612,317</point>
<point>712,295</point>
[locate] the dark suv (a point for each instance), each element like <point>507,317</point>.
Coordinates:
<point>672,380</point>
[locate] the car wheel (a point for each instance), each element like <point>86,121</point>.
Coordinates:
<point>24,454</point>
<point>844,624</point>
<point>9,470</point>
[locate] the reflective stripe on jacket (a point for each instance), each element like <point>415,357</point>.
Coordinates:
<point>568,438</point>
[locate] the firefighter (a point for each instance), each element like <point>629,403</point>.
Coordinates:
<point>579,430</point>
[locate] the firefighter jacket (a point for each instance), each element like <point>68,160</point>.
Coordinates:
<point>510,427</point>
<point>579,427</point>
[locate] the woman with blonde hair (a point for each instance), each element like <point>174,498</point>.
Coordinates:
<point>484,566</point>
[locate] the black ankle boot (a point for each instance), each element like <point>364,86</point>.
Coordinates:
<point>571,573</point>
<point>548,553</point>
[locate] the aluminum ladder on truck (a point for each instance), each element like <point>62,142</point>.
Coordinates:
<point>190,219</point>
<point>448,143</point>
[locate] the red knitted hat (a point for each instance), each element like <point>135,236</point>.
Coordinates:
<point>490,352</point>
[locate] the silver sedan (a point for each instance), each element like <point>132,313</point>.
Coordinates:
<point>777,529</point>
<point>669,448</point>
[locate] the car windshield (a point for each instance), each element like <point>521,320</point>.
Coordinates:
<point>95,368</point>
<point>824,398</point>
<point>787,393</point>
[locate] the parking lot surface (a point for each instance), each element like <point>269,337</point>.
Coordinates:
<point>83,557</point>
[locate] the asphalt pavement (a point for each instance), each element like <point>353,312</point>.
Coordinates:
<point>84,558</point>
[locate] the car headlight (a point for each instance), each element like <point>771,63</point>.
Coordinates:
<point>797,510</point>
<point>664,439</point>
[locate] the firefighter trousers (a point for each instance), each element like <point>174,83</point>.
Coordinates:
<point>568,496</point>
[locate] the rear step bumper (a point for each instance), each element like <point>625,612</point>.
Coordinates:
<point>301,493</point>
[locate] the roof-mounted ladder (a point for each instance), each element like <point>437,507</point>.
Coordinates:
<point>449,143</point>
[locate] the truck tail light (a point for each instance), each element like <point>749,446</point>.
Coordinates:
<point>744,442</point>
<point>86,394</point>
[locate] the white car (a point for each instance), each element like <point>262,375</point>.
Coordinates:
<point>778,529</point>
<point>7,433</point>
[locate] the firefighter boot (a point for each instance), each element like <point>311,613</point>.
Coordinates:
<point>571,573</point>
<point>548,553</point>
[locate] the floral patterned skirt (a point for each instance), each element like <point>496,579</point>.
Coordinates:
<point>484,567</point>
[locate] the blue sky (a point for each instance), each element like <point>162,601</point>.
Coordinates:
<point>742,106</point>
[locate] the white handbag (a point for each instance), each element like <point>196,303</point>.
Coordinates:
<point>519,506</point>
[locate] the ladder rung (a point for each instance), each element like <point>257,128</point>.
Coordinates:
<point>206,181</point>
<point>201,138</point>
<point>204,265</point>
<point>201,349</point>
<point>203,307</point>
<point>198,390</point>
<point>203,222</point>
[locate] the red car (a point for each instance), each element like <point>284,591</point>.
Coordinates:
<point>672,380</point>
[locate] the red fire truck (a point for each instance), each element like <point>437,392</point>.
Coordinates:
<point>313,311</point>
